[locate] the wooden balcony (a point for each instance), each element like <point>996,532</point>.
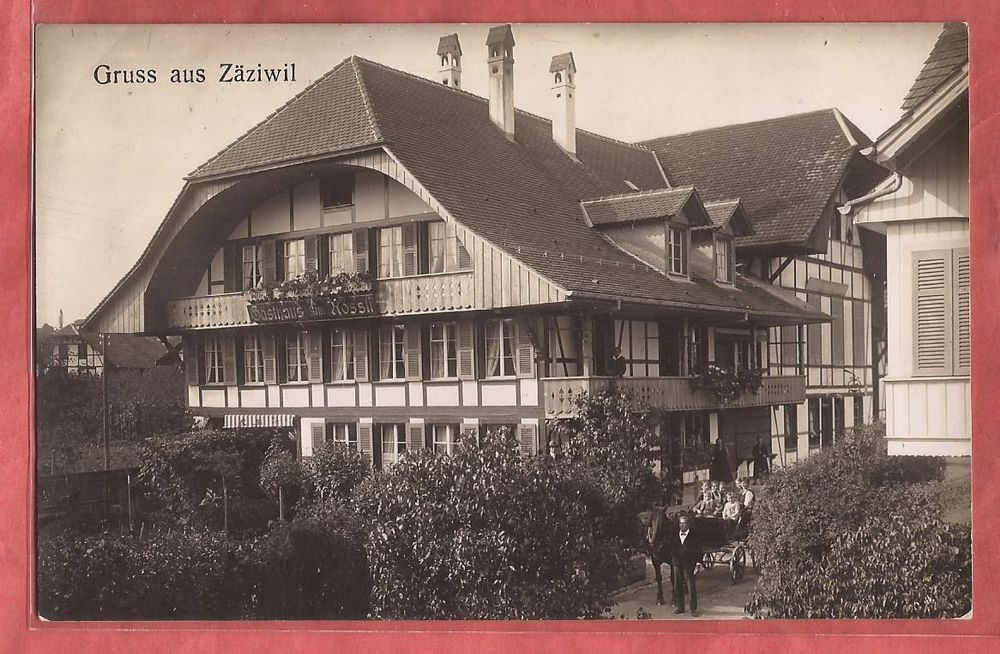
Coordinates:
<point>405,295</point>
<point>671,393</point>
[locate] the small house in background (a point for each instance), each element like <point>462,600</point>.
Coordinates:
<point>923,212</point>
<point>80,352</point>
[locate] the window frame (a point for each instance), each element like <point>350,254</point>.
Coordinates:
<point>253,348</point>
<point>391,266</point>
<point>215,370</point>
<point>504,336</point>
<point>725,244</point>
<point>349,442</point>
<point>287,257</point>
<point>345,181</point>
<point>443,351</point>
<point>677,237</point>
<point>254,276</point>
<point>342,363</point>
<point>399,443</point>
<point>396,364</point>
<point>452,435</point>
<point>346,253</point>
<point>301,365</point>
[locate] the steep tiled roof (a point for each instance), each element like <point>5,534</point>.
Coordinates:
<point>642,205</point>
<point>724,211</point>
<point>783,170</point>
<point>561,61</point>
<point>950,52</point>
<point>522,196</point>
<point>330,115</point>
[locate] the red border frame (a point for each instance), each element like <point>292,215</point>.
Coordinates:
<point>22,632</point>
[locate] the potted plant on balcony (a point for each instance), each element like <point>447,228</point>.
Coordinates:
<point>727,384</point>
<point>310,285</point>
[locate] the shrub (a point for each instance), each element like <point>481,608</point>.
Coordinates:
<point>911,566</point>
<point>486,534</point>
<point>331,474</point>
<point>281,474</point>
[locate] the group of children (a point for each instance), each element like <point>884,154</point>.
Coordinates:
<point>710,500</point>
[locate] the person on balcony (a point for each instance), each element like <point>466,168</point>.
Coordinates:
<point>720,470</point>
<point>618,364</point>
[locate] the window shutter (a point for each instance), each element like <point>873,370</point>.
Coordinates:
<point>414,437</point>
<point>312,253</point>
<point>524,353</point>
<point>465,336</point>
<point>470,432</point>
<point>360,337</point>
<point>232,264</point>
<point>228,344</point>
<point>528,439</point>
<point>410,249</point>
<point>191,359</point>
<point>268,267</point>
<point>464,258</point>
<point>315,355</point>
<point>360,238</point>
<point>963,339</point>
<point>317,435</point>
<point>411,343</point>
<point>270,359</point>
<point>365,442</point>
<point>932,338</point>
<point>241,367</point>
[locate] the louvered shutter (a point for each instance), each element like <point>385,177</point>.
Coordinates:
<point>411,343</point>
<point>365,442</point>
<point>360,238</point>
<point>268,267</point>
<point>228,344</point>
<point>932,319</point>
<point>528,439</point>
<point>465,336</point>
<point>524,353</point>
<point>414,437</point>
<point>464,258</point>
<point>410,249</point>
<point>317,436</point>
<point>191,360</point>
<point>312,253</point>
<point>232,263</point>
<point>963,336</point>
<point>315,337</point>
<point>360,337</point>
<point>270,359</point>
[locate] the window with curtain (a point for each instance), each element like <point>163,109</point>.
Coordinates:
<point>677,250</point>
<point>213,361</point>
<point>253,272</point>
<point>443,247</point>
<point>341,253</point>
<point>343,435</point>
<point>393,443</point>
<point>390,252</point>
<point>723,260</point>
<point>444,352</point>
<point>341,354</point>
<point>296,357</point>
<point>294,258</point>
<point>392,353</point>
<point>500,348</point>
<point>253,359</point>
<point>445,438</point>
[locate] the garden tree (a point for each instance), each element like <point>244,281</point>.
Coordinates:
<point>330,476</point>
<point>148,402</point>
<point>281,475</point>
<point>614,436</point>
<point>832,526</point>
<point>486,534</point>
<point>68,414</point>
<point>208,477</point>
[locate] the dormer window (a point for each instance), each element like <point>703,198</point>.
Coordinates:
<point>677,250</point>
<point>337,191</point>
<point>724,260</point>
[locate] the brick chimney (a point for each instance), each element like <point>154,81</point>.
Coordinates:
<point>450,52</point>
<point>500,45</point>
<point>563,71</point>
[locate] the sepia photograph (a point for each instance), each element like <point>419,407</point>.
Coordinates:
<point>349,322</point>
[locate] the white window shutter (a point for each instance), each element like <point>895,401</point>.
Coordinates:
<point>315,337</point>
<point>317,436</point>
<point>528,439</point>
<point>191,360</point>
<point>411,345</point>
<point>932,314</point>
<point>270,358</point>
<point>365,442</point>
<point>410,249</point>
<point>465,336</point>
<point>414,437</point>
<point>228,343</point>
<point>962,329</point>
<point>360,337</point>
<point>524,352</point>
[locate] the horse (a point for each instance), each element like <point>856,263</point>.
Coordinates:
<point>657,535</point>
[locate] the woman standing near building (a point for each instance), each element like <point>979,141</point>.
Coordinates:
<point>720,470</point>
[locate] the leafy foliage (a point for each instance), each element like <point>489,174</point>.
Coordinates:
<point>486,534</point>
<point>331,474</point>
<point>310,285</point>
<point>819,523</point>
<point>727,384</point>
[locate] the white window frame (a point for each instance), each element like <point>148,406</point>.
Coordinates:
<point>343,434</point>
<point>341,250</point>
<point>253,359</point>
<point>390,252</point>
<point>724,260</point>
<point>442,246</point>
<point>252,267</point>
<point>393,443</point>
<point>392,352</point>
<point>444,350</point>
<point>294,251</point>
<point>341,354</point>
<point>215,372</point>
<point>500,335</point>
<point>445,438</point>
<point>296,357</point>
<point>677,250</point>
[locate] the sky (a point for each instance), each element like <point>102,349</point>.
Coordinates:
<point>110,159</point>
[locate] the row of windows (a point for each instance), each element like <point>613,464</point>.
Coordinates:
<point>440,350</point>
<point>402,250</point>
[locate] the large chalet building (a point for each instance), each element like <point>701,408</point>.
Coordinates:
<point>792,175</point>
<point>389,262</point>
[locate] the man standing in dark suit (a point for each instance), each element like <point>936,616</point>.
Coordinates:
<point>687,554</point>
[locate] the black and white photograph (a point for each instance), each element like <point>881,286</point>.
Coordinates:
<point>350,322</point>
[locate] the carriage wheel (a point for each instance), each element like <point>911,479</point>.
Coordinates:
<point>737,564</point>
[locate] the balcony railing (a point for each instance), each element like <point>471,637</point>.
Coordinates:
<point>671,393</point>
<point>417,294</point>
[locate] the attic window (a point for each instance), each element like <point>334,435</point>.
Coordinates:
<point>723,260</point>
<point>337,191</point>
<point>677,250</point>
<point>558,78</point>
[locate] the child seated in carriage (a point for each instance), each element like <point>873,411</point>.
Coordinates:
<point>706,504</point>
<point>731,514</point>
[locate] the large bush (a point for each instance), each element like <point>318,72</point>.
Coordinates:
<point>331,474</point>
<point>486,534</point>
<point>849,501</point>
